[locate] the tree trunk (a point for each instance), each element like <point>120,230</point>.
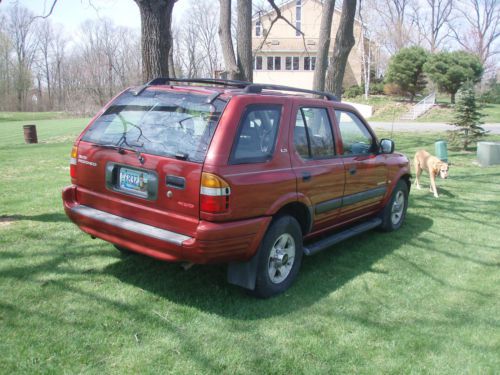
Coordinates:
<point>156,21</point>
<point>244,40</point>
<point>325,32</point>
<point>225,39</point>
<point>344,41</point>
<point>453,94</point>
<point>171,65</point>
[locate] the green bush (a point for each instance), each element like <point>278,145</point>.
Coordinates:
<point>406,70</point>
<point>492,96</point>
<point>354,91</point>
<point>450,70</point>
<point>376,88</point>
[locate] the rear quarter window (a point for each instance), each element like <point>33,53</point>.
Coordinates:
<point>256,137</point>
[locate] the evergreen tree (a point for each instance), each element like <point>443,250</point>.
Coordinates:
<point>450,70</point>
<point>406,70</point>
<point>467,118</point>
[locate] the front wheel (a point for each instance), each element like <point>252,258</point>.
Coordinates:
<point>280,256</point>
<point>394,212</point>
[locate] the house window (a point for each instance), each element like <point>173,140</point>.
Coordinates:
<point>292,63</point>
<point>257,63</point>
<point>309,63</point>
<point>258,28</point>
<point>274,63</point>
<point>298,17</point>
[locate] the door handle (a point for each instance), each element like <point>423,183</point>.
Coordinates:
<point>352,170</point>
<point>306,176</point>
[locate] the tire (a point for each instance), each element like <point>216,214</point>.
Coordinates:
<point>280,256</point>
<point>394,213</point>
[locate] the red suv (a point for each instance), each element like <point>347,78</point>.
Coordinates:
<point>233,172</point>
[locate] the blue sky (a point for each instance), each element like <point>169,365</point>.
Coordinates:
<point>70,13</point>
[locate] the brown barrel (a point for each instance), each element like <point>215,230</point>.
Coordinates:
<point>30,134</point>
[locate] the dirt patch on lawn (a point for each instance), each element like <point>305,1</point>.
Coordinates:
<point>7,220</point>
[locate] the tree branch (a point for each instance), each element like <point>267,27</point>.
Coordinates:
<point>48,14</point>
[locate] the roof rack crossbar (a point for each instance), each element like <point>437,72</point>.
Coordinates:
<point>213,81</point>
<point>257,89</point>
<point>209,81</point>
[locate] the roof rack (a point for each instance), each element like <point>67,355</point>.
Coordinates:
<point>210,81</point>
<point>213,81</point>
<point>256,88</point>
<point>248,87</point>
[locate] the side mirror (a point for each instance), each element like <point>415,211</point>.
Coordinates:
<point>386,146</point>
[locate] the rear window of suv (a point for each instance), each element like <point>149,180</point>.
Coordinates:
<point>171,124</point>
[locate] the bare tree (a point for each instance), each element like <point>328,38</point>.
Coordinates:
<point>433,20</point>
<point>482,28</point>
<point>344,41</point>
<point>325,31</point>
<point>58,55</point>
<point>394,24</point>
<point>5,67</point>
<point>156,21</point>
<point>205,20</point>
<point>20,26</point>
<point>189,47</point>
<point>244,40</point>
<point>365,47</point>
<point>226,39</point>
<point>45,40</point>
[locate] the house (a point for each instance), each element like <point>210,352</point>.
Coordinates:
<point>286,57</point>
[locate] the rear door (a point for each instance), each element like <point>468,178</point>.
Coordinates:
<point>142,158</point>
<point>365,169</point>
<point>319,172</point>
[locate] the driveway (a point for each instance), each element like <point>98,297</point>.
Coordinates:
<point>399,126</point>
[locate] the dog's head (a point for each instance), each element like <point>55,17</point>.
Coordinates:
<point>442,169</point>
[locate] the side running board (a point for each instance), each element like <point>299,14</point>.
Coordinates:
<point>327,242</point>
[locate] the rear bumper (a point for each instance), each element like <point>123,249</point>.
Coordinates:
<point>211,243</point>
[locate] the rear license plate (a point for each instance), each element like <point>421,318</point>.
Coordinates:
<point>134,181</point>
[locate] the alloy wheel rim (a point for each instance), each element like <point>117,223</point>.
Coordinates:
<point>397,208</point>
<point>281,258</point>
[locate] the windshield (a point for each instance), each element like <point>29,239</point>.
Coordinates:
<point>172,124</point>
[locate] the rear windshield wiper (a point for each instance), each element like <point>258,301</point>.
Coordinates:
<point>119,148</point>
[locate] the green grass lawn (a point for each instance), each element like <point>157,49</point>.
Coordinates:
<point>30,116</point>
<point>424,299</point>
<point>388,109</point>
<point>385,108</point>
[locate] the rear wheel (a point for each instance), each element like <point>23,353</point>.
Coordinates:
<point>280,256</point>
<point>394,212</point>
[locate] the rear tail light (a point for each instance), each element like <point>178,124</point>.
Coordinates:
<point>73,161</point>
<point>214,194</point>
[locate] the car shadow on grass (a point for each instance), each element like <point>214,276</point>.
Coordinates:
<point>205,287</point>
<point>46,218</point>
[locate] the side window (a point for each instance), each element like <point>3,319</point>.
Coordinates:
<point>313,137</point>
<point>356,138</point>
<point>256,134</point>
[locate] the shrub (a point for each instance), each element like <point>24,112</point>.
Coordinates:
<point>492,95</point>
<point>354,91</point>
<point>450,70</point>
<point>406,70</point>
<point>392,89</point>
<point>467,118</point>
<point>376,88</point>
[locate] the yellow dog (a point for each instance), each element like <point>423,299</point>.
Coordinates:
<point>425,161</point>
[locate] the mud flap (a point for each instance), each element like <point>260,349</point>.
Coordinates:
<point>243,274</point>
